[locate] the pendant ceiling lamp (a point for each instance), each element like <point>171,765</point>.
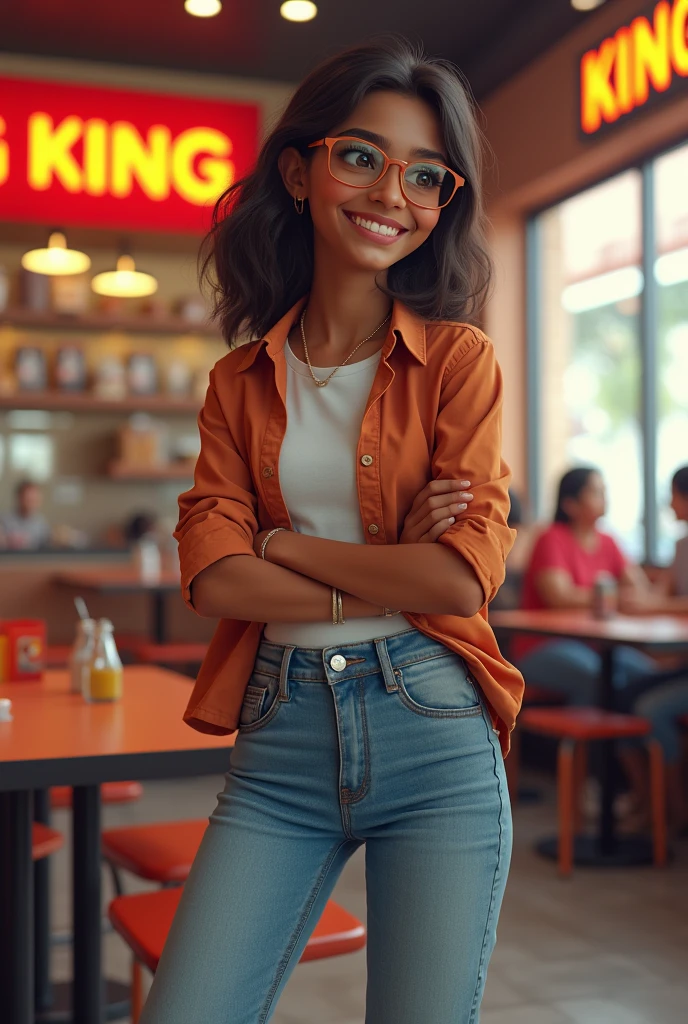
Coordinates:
<point>298,10</point>
<point>124,282</point>
<point>57,260</point>
<point>586,5</point>
<point>203,8</point>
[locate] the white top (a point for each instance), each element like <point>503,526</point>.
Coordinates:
<point>317,472</point>
<point>680,567</point>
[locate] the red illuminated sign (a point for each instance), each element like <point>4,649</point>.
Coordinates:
<point>80,155</point>
<point>640,62</point>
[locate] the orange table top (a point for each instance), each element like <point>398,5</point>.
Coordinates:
<point>116,577</point>
<point>56,737</point>
<point>640,630</point>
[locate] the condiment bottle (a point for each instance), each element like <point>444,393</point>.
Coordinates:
<point>103,682</point>
<point>604,596</point>
<point>82,653</point>
<point>147,560</point>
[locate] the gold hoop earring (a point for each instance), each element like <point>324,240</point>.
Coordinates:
<point>299,202</point>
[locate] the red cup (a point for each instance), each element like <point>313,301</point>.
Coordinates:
<point>26,642</point>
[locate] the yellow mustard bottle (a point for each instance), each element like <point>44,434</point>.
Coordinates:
<point>103,682</point>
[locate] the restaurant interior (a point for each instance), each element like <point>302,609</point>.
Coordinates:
<point>120,125</point>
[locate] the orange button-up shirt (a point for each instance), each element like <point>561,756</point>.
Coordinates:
<point>434,412</point>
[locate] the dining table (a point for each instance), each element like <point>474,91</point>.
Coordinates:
<point>55,737</point>
<point>656,634</point>
<point>126,580</point>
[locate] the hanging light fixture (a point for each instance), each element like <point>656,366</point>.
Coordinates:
<point>298,10</point>
<point>586,5</point>
<point>57,260</point>
<point>202,8</point>
<point>124,282</point>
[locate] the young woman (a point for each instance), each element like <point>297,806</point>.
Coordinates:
<point>566,560</point>
<point>328,529</point>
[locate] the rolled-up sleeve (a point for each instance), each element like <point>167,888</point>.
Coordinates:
<point>468,442</point>
<point>218,516</point>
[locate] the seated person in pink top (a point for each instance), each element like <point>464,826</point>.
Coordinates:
<point>565,562</point>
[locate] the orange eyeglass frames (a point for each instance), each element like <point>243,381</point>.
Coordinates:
<point>425,183</point>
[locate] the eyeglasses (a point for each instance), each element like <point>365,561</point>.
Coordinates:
<point>358,163</point>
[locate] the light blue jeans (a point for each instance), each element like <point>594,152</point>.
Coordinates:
<point>663,705</point>
<point>573,668</point>
<point>386,743</point>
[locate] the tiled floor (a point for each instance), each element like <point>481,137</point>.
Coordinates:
<point>606,947</point>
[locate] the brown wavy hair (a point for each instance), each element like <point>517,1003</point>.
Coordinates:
<point>258,255</point>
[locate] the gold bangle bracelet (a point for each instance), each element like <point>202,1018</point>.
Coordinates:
<point>340,609</point>
<point>335,608</point>
<point>278,529</point>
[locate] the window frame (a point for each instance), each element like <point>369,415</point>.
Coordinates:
<point>647,340</point>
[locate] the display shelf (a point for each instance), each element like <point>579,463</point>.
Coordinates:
<point>18,317</point>
<point>58,401</point>
<point>172,471</point>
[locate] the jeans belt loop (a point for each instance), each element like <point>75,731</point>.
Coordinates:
<point>391,684</point>
<point>284,673</point>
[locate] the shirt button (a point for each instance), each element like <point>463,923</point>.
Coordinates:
<point>338,662</point>
<point>367,460</point>
<point>268,471</point>
<point>373,528</point>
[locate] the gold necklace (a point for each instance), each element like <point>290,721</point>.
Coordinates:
<point>322,383</point>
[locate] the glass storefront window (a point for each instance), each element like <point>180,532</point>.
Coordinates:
<point>591,279</point>
<point>671,277</point>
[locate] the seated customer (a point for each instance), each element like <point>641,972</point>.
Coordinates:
<point>565,562</point>
<point>25,529</point>
<point>509,594</point>
<point>667,701</point>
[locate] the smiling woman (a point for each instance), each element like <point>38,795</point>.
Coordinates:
<point>260,260</point>
<point>330,531</point>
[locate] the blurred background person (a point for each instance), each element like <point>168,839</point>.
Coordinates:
<point>509,594</point>
<point>567,558</point>
<point>25,528</point>
<point>666,696</point>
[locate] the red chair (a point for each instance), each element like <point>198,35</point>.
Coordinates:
<point>146,652</point>
<point>110,793</point>
<point>533,695</point>
<point>161,852</point>
<point>143,920</point>
<point>574,728</point>
<point>44,841</point>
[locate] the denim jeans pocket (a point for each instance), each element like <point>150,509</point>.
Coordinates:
<point>260,704</point>
<point>438,687</point>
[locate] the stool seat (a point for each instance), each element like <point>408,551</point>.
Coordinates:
<point>162,852</point>
<point>44,840</point>
<point>541,695</point>
<point>583,723</point>
<point>143,920</point>
<point>110,793</point>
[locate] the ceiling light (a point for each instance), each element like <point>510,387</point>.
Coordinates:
<point>672,268</point>
<point>125,282</point>
<point>202,8</point>
<point>603,290</point>
<point>298,10</point>
<point>57,259</point>
<point>586,5</point>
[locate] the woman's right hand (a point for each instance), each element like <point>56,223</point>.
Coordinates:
<point>435,510</point>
